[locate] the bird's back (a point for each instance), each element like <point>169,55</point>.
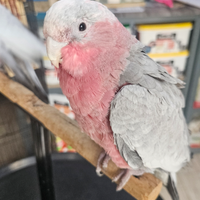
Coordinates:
<point>151,120</point>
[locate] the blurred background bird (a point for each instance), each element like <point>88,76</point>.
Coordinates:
<point>20,53</point>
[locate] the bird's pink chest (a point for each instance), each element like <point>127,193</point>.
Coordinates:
<point>91,102</point>
<point>89,78</point>
<point>89,99</point>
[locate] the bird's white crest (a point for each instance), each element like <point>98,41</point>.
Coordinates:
<point>61,24</point>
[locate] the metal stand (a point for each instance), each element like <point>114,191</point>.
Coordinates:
<point>42,144</point>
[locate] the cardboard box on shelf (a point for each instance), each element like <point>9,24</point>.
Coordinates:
<point>174,63</point>
<point>165,38</point>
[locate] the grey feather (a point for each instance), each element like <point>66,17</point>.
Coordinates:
<point>146,116</point>
<point>129,154</point>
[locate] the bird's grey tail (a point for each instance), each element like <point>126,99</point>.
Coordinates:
<point>171,187</point>
<point>169,181</point>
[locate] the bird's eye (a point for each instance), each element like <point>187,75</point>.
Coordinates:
<point>82,26</point>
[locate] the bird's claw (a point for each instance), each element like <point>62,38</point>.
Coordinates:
<point>116,178</point>
<point>102,160</point>
<point>124,176</point>
<point>98,171</point>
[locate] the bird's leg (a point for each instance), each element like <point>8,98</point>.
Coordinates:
<point>102,161</point>
<point>125,175</point>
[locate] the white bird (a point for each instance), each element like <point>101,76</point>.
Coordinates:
<point>19,48</point>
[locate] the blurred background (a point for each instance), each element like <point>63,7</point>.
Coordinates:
<point>170,31</point>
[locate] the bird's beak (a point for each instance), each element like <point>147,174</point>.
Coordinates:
<point>54,51</point>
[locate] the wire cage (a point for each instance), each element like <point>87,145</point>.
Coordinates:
<point>20,135</point>
<point>17,9</point>
<point>15,133</point>
<point>15,125</point>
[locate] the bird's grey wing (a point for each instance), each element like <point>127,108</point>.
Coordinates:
<point>141,65</point>
<point>146,115</point>
<point>145,72</point>
<point>18,39</point>
<point>147,131</point>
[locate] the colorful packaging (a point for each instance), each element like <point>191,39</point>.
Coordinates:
<point>195,140</point>
<point>63,147</point>
<point>174,63</point>
<point>165,38</point>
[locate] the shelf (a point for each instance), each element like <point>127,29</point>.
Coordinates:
<point>55,90</point>
<point>53,86</point>
<point>195,150</point>
<point>154,13</point>
<point>160,13</point>
<point>196,112</point>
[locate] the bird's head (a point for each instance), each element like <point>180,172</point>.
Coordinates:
<point>77,31</point>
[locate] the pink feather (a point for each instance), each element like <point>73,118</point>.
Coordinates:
<point>89,77</point>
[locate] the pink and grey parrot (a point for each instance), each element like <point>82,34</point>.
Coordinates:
<point>126,102</point>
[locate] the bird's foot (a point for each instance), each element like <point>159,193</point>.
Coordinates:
<point>125,175</point>
<point>102,161</point>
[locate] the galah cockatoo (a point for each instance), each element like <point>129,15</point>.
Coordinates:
<point>19,48</point>
<point>126,102</point>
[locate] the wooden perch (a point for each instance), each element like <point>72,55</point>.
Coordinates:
<point>147,187</point>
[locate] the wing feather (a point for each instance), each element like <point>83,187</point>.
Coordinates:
<point>146,116</point>
<point>150,131</point>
